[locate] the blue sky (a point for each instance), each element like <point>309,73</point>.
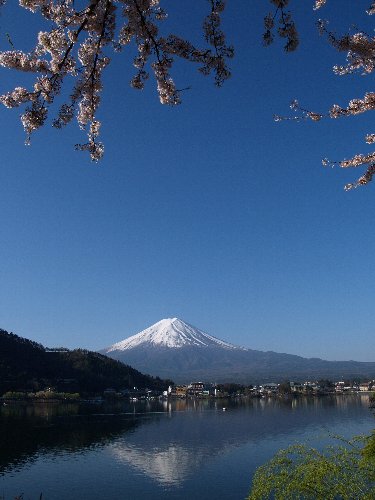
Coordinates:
<point>209,211</point>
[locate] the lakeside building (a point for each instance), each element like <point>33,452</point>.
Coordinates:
<point>195,389</point>
<point>367,386</point>
<point>269,388</point>
<point>296,387</point>
<point>178,391</point>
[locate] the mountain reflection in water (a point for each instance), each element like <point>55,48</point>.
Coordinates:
<point>170,452</point>
<point>148,448</point>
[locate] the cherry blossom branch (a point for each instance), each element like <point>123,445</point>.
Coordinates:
<point>287,28</point>
<point>360,49</point>
<point>58,52</point>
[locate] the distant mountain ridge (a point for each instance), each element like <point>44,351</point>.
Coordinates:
<point>27,366</point>
<point>175,349</point>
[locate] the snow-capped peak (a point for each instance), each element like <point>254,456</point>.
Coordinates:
<point>173,333</point>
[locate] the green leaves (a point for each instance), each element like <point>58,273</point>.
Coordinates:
<point>345,472</point>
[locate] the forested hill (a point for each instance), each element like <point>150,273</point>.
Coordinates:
<point>28,366</point>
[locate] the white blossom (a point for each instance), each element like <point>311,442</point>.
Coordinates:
<point>319,4</point>
<point>360,57</point>
<point>78,44</point>
<point>83,33</point>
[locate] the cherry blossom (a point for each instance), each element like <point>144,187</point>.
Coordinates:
<point>360,58</point>
<point>84,34</point>
<point>79,45</point>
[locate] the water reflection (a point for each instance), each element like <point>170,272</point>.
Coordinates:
<point>27,431</point>
<point>167,442</point>
<point>170,452</point>
<point>168,466</point>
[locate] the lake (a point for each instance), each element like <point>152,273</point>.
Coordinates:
<point>158,449</point>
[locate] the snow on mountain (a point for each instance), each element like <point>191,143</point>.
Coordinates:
<point>173,333</point>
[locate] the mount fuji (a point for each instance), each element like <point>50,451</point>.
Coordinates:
<point>174,349</point>
<point>172,333</point>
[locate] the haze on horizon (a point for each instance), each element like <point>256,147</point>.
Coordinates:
<point>210,212</point>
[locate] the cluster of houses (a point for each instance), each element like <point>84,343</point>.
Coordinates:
<point>322,387</point>
<point>363,387</point>
<point>202,390</point>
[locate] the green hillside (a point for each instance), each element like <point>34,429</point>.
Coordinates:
<point>28,366</point>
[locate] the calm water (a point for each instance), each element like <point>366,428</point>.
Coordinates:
<point>183,450</point>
